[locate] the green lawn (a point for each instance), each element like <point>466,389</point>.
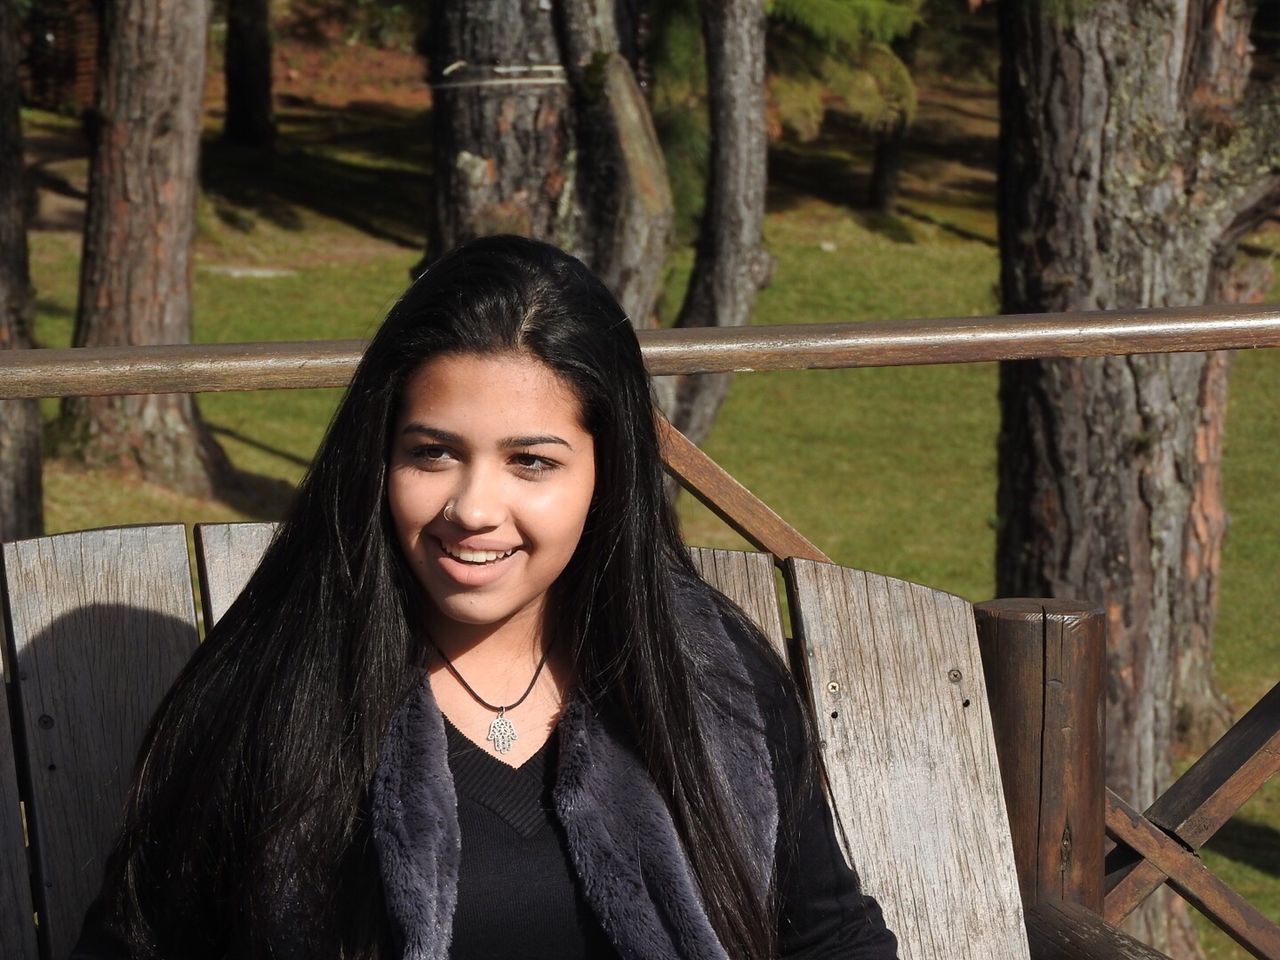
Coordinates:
<point>892,469</point>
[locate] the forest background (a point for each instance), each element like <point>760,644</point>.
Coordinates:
<point>893,470</point>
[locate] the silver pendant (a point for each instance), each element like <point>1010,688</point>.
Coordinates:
<point>502,732</point>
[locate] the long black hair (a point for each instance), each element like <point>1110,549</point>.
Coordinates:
<point>250,801</point>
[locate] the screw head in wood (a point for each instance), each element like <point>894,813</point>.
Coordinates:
<point>954,676</point>
<point>833,687</point>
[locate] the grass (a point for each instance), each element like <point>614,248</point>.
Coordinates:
<point>891,469</point>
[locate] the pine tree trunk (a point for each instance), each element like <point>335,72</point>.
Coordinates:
<point>21,509</point>
<point>136,270</point>
<point>250,117</point>
<point>504,138</point>
<point>541,129</point>
<point>891,144</point>
<point>732,264</point>
<point>1129,167</point>
<point>627,211</point>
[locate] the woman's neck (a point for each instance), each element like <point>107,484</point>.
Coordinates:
<point>501,664</point>
<point>510,643</point>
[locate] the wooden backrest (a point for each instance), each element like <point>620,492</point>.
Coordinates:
<point>99,624</point>
<point>102,621</point>
<point>17,932</point>
<point>895,678</point>
<point>226,556</point>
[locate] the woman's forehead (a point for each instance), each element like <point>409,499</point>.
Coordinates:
<point>500,394</point>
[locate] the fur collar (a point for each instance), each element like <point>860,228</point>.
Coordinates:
<point>624,846</point>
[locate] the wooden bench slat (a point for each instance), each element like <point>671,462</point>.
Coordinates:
<point>226,556</point>
<point>102,621</point>
<point>896,681</point>
<point>17,929</point>
<point>747,580</point>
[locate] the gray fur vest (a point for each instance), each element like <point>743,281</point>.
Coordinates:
<point>624,846</point>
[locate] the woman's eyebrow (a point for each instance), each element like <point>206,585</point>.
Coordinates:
<point>448,436</point>
<point>533,441</point>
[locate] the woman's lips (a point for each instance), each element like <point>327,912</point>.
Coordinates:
<point>470,573</point>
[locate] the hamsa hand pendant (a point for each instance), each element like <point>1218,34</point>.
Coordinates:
<point>502,732</point>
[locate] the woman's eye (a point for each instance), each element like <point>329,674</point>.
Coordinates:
<point>430,455</point>
<point>531,465</point>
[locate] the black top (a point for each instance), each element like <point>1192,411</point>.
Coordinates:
<point>518,895</point>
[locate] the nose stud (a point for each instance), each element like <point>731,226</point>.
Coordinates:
<point>448,512</point>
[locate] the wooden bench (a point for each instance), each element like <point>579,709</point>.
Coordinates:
<point>99,622</point>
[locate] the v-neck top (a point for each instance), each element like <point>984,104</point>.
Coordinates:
<point>517,891</point>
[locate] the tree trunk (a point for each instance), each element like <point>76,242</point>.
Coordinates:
<point>541,129</point>
<point>1132,158</point>
<point>250,118</point>
<point>625,197</point>
<point>136,270</point>
<point>504,138</point>
<point>886,168</point>
<point>21,510</point>
<point>731,265</point>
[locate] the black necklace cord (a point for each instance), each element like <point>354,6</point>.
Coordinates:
<point>481,700</point>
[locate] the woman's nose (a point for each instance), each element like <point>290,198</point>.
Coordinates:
<point>478,500</point>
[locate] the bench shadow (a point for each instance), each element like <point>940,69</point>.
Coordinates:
<point>83,691</point>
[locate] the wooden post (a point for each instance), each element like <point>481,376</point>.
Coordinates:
<point>1045,665</point>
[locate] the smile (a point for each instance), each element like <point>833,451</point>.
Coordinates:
<point>475,556</point>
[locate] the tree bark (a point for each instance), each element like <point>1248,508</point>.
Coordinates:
<point>21,508</point>
<point>504,138</point>
<point>541,129</point>
<point>1132,158</point>
<point>731,265</point>
<point>250,117</point>
<point>627,210</point>
<point>136,269</point>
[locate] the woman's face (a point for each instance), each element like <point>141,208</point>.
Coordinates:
<point>499,440</point>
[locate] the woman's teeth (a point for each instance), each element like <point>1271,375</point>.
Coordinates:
<point>475,556</point>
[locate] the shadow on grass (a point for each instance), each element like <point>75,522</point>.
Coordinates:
<point>364,167</point>
<point>796,173</point>
<point>46,179</point>
<point>248,441</point>
<point>836,168</point>
<point>946,226</point>
<point>53,308</point>
<point>254,495</point>
<point>1249,842</point>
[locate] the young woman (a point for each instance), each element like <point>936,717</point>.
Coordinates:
<point>475,702</point>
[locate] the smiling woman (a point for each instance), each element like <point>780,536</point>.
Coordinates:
<point>488,491</point>
<point>475,701</point>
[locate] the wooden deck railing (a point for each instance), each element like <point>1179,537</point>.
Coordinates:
<point>1153,847</point>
